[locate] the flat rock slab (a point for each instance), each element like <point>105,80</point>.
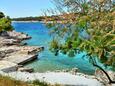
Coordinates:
<point>7,66</point>
<point>20,54</point>
<point>22,49</point>
<point>20,58</point>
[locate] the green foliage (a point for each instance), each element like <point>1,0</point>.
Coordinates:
<point>85,7</point>
<point>82,23</point>
<point>41,18</point>
<point>49,25</point>
<point>1,15</point>
<point>54,46</point>
<point>41,83</point>
<point>37,82</point>
<point>5,24</point>
<point>71,53</point>
<point>98,21</point>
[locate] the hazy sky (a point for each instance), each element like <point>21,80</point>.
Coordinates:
<point>22,8</point>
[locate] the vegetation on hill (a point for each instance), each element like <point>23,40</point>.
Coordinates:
<point>91,30</point>
<point>40,18</point>
<point>5,23</point>
<point>28,19</point>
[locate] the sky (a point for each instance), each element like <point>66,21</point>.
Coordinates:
<point>24,8</point>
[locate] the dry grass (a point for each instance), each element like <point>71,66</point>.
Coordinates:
<point>6,81</point>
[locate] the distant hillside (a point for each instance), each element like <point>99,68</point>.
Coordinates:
<point>41,18</point>
<point>49,18</point>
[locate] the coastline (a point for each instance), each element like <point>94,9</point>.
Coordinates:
<point>13,53</point>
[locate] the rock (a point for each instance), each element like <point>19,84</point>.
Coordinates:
<point>13,52</point>
<point>32,50</point>
<point>2,54</point>
<point>20,66</point>
<point>74,71</point>
<point>111,74</point>
<point>18,35</point>
<point>7,66</point>
<point>58,71</point>
<point>41,48</point>
<point>4,33</point>
<point>23,69</point>
<point>5,53</point>
<point>22,44</point>
<point>9,51</point>
<point>65,70</point>
<point>10,41</point>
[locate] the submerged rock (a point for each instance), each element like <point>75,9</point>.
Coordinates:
<point>24,69</point>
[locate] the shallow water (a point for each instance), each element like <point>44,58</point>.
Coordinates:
<point>46,60</point>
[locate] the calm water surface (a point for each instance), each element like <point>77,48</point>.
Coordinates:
<point>46,60</point>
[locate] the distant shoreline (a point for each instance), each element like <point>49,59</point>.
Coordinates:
<point>36,21</point>
<point>28,21</point>
<point>32,21</point>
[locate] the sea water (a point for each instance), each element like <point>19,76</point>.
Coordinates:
<point>47,61</point>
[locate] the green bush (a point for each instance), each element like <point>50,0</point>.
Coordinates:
<point>2,15</point>
<point>37,82</point>
<point>5,23</point>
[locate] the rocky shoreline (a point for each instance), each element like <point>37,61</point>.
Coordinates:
<point>13,53</point>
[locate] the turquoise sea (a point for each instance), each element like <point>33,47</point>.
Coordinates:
<point>47,61</point>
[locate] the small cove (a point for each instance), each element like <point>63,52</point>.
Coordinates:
<point>47,61</point>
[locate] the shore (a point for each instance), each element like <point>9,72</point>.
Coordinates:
<point>62,78</point>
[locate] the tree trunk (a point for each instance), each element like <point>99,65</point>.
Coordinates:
<point>110,81</point>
